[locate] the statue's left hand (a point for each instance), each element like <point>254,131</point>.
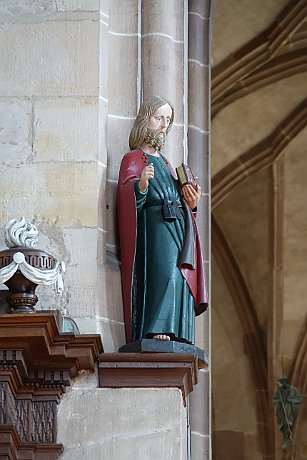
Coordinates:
<point>191,195</point>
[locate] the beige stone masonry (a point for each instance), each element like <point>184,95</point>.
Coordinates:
<point>112,332</point>
<point>112,424</point>
<point>15,130</point>
<point>123,64</point>
<point>124,17</point>
<point>21,11</point>
<point>58,43</point>
<point>66,129</point>
<point>64,192</point>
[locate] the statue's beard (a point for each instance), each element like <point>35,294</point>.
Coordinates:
<point>154,138</point>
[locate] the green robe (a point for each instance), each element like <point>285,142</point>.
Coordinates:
<point>164,303</point>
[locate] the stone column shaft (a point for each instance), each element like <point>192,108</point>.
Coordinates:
<point>199,158</point>
<point>164,65</point>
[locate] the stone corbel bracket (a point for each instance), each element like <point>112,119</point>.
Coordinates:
<point>37,362</point>
<point>148,370</point>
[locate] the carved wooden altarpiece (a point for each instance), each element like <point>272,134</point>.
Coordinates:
<point>37,362</point>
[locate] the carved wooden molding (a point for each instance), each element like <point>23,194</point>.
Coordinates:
<point>12,448</point>
<point>37,362</point>
<point>147,370</point>
<point>43,347</point>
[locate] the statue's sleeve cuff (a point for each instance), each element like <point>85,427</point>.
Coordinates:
<point>140,197</point>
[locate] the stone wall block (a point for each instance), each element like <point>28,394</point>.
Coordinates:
<point>82,300</point>
<point>124,71</point>
<point>82,244</point>
<point>103,56</point>
<point>123,17</point>
<point>118,143</point>
<point>66,129</point>
<point>65,193</point>
<point>198,96</point>
<point>165,18</point>
<point>21,11</point>
<point>81,271</point>
<point>15,130</point>
<point>75,5</point>
<point>48,299</point>
<point>111,213</point>
<point>110,304</point>
<point>198,147</point>
<point>154,432</point>
<point>161,57</point>
<point>150,446</point>
<point>54,58</point>
<point>112,332</point>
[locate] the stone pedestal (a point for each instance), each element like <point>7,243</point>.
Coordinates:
<point>148,370</point>
<point>122,423</point>
<point>166,346</point>
<point>138,412</point>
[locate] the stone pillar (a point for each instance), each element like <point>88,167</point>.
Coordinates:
<point>164,38</point>
<point>200,13</point>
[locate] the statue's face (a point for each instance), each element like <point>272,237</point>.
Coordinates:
<point>157,127</point>
<point>160,120</point>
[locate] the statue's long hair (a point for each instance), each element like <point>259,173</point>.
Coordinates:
<point>146,110</point>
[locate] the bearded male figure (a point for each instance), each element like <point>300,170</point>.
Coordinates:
<point>162,268</point>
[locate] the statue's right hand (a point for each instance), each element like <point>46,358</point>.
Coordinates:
<point>147,173</point>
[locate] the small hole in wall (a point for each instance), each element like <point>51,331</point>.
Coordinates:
<point>107,206</point>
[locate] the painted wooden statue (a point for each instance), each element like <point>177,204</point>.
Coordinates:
<point>286,400</point>
<point>162,267</point>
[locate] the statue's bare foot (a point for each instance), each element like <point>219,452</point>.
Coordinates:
<point>161,337</point>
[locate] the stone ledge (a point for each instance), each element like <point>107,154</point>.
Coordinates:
<point>149,370</point>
